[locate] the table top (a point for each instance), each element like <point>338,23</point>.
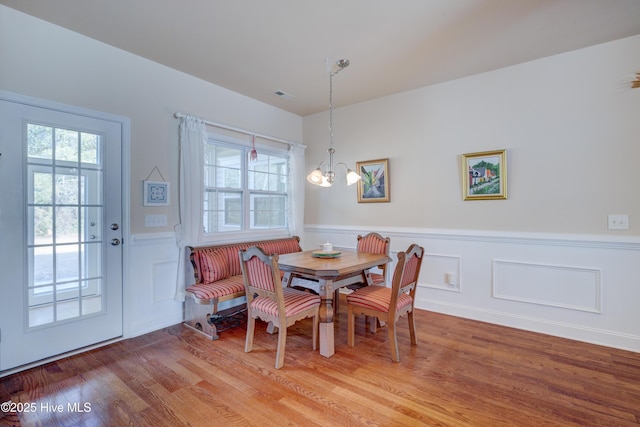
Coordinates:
<point>350,261</point>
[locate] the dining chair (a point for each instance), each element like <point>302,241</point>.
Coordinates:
<point>376,244</point>
<point>269,301</point>
<point>388,304</point>
<point>372,243</point>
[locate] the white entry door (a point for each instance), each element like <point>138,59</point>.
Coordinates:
<point>60,231</point>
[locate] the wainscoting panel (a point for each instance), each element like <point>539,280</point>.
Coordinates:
<point>149,295</point>
<point>440,271</point>
<point>557,286</point>
<point>582,287</point>
<point>164,282</point>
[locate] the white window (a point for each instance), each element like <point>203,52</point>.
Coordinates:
<point>244,194</point>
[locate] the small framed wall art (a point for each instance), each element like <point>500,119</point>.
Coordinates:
<point>156,193</point>
<point>484,175</point>
<point>374,185</point>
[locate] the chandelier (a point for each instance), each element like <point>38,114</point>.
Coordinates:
<point>325,178</point>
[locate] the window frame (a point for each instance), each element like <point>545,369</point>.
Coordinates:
<point>245,231</point>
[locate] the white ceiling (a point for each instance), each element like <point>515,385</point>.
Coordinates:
<point>256,47</point>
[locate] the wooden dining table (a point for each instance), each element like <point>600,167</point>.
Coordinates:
<point>348,268</point>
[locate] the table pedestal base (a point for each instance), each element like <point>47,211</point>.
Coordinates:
<point>327,345</point>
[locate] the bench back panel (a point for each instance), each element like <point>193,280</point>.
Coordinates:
<point>271,246</point>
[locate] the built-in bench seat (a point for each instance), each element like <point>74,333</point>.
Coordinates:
<point>218,278</point>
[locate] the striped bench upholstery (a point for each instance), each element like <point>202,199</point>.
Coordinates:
<point>217,277</point>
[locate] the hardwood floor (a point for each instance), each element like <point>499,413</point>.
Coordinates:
<point>462,373</point>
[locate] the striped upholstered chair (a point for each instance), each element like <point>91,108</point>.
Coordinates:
<point>388,304</point>
<point>375,244</point>
<point>269,301</point>
<point>372,243</point>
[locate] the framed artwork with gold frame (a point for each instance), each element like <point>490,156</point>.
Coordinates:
<point>374,185</point>
<point>484,175</point>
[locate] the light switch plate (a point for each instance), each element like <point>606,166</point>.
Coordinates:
<point>155,220</point>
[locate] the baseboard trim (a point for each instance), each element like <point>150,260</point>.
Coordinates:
<point>563,330</point>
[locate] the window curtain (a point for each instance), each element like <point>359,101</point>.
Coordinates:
<point>193,135</point>
<point>296,195</point>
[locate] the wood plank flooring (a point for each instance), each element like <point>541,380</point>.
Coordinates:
<point>462,373</point>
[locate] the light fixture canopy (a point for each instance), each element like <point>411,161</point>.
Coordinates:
<point>326,178</point>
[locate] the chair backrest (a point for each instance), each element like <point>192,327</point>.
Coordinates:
<point>261,276</point>
<point>375,244</point>
<point>405,276</point>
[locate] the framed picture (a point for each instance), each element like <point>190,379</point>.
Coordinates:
<point>374,185</point>
<point>156,193</point>
<point>484,175</point>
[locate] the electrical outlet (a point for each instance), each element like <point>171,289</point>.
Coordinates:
<point>618,222</point>
<point>451,279</point>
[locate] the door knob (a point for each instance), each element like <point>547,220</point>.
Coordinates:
<point>114,226</point>
<point>115,242</point>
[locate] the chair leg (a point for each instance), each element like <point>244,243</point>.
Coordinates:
<point>412,328</point>
<point>316,322</point>
<point>351,327</point>
<point>251,326</point>
<point>373,323</point>
<point>282,341</point>
<point>393,340</point>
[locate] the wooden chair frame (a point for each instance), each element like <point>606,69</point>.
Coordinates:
<point>401,284</point>
<point>277,294</point>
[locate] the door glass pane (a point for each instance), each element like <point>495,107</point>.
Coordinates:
<point>41,185</point>
<point>40,315</point>
<point>66,186</point>
<point>67,222</point>
<point>91,298</point>
<point>89,148</point>
<point>92,186</point>
<point>41,260</point>
<point>65,211</point>
<point>67,145</point>
<point>91,260</point>
<point>67,262</point>
<point>39,142</point>
<point>40,225</point>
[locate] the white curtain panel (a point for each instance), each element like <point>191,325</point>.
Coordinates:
<point>296,194</point>
<point>193,135</point>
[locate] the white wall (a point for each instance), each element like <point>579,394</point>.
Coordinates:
<point>569,123</point>
<point>543,259</point>
<point>45,61</point>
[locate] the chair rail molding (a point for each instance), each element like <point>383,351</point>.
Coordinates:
<point>546,239</point>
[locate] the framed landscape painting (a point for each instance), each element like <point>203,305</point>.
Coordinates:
<point>484,175</point>
<point>374,185</point>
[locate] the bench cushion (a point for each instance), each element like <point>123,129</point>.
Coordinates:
<point>229,286</point>
<point>214,266</point>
